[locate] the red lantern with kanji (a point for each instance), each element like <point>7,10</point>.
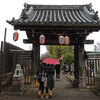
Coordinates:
<point>61,40</point>
<point>67,40</point>
<point>42,39</point>
<point>15,36</point>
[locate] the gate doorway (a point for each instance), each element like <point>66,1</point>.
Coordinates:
<point>52,21</point>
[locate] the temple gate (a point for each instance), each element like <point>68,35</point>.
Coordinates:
<point>52,21</point>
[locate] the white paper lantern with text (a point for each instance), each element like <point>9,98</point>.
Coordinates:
<point>42,39</point>
<point>61,40</point>
<point>15,36</point>
<point>67,40</point>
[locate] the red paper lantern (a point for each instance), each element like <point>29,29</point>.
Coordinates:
<point>42,39</point>
<point>15,36</point>
<point>61,40</point>
<point>67,40</point>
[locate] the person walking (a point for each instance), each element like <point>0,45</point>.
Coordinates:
<point>57,67</point>
<point>41,79</point>
<point>64,68</point>
<point>50,80</point>
<point>72,69</point>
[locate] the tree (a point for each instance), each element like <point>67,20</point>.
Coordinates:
<point>69,58</point>
<point>58,51</point>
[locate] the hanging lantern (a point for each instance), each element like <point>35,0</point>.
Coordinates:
<point>61,40</point>
<point>42,39</point>
<point>15,36</point>
<point>67,40</point>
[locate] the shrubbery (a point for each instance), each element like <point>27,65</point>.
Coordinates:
<point>68,58</point>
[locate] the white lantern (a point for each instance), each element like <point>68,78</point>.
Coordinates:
<point>67,40</point>
<point>42,39</point>
<point>61,39</point>
<point>15,36</point>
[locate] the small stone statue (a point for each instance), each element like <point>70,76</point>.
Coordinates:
<point>18,79</point>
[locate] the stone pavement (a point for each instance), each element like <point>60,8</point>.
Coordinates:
<point>62,91</point>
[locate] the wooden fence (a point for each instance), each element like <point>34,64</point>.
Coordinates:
<point>25,61</point>
<point>11,56</point>
<point>92,65</point>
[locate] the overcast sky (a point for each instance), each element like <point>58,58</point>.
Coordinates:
<point>13,8</point>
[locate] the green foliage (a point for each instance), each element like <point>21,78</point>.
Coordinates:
<point>58,51</point>
<point>68,58</point>
<point>54,51</point>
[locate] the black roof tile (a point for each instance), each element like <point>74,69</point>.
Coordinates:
<point>57,14</point>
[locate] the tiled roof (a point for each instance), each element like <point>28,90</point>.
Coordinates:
<point>57,15</point>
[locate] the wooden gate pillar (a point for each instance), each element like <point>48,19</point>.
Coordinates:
<point>76,66</point>
<point>82,73</point>
<point>36,54</point>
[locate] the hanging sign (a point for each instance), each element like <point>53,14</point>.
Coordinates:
<point>15,36</point>
<point>42,39</point>
<point>67,40</point>
<point>61,40</point>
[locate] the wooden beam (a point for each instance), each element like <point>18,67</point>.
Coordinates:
<point>89,41</point>
<point>27,41</point>
<point>55,42</point>
<point>57,28</point>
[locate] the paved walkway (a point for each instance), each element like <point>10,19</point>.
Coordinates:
<point>62,91</point>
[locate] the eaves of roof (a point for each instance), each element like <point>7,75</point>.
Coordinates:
<point>57,15</point>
